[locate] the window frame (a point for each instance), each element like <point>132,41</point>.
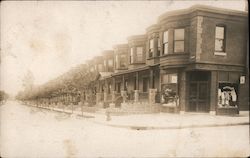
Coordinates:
<point>165,42</point>
<point>137,54</point>
<point>179,40</point>
<point>223,51</point>
<point>151,50</point>
<point>158,46</point>
<point>123,62</point>
<point>131,56</point>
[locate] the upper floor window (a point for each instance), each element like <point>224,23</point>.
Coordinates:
<point>158,47</point>
<point>220,39</point>
<point>110,62</point>
<point>151,48</point>
<point>116,61</point>
<point>123,60</point>
<point>92,69</point>
<point>99,67</point>
<point>104,63</point>
<point>179,40</point>
<point>131,55</point>
<point>165,42</point>
<point>139,54</point>
<point>110,65</point>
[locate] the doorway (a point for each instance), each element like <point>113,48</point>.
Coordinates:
<point>199,91</point>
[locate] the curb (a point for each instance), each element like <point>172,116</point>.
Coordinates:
<point>170,127</point>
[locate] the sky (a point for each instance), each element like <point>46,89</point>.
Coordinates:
<point>47,38</point>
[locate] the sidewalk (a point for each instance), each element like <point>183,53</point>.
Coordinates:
<point>170,121</point>
<point>163,120</point>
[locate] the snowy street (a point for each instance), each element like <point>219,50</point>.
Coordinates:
<point>32,132</point>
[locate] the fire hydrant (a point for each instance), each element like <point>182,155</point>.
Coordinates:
<point>108,117</point>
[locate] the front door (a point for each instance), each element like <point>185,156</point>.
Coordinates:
<point>199,92</point>
<point>198,96</point>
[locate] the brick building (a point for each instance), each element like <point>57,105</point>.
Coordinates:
<point>191,60</point>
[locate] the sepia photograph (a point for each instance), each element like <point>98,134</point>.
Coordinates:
<point>146,78</point>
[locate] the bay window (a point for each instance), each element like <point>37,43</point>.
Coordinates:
<point>122,60</point>
<point>139,54</point>
<point>110,65</point>
<point>179,40</point>
<point>151,48</point>
<point>158,47</point>
<point>131,55</point>
<point>165,42</point>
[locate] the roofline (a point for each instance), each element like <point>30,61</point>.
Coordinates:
<point>202,8</point>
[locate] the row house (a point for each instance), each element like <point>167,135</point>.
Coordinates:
<point>191,60</point>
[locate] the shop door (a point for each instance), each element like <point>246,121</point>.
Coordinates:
<point>198,96</point>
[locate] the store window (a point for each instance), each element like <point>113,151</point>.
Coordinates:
<point>151,48</point>
<point>179,40</point>
<point>227,94</point>
<point>165,42</point>
<point>139,54</point>
<point>169,90</point>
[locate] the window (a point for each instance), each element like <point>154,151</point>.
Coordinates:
<point>145,84</point>
<point>92,69</point>
<point>126,85</point>
<point>178,40</point>
<point>139,53</point>
<point>99,67</point>
<point>104,63</point>
<point>116,61</point>
<point>131,55</point>
<point>220,39</point>
<point>110,62</point>
<point>169,78</point>
<point>165,42</point>
<point>110,65</point>
<point>134,83</point>
<point>123,60</point>
<point>109,88</point>
<point>118,87</point>
<point>158,47</point>
<point>151,48</point>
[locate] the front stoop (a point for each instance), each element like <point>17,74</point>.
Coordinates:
<point>227,111</point>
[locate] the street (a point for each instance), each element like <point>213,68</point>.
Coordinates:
<point>33,132</point>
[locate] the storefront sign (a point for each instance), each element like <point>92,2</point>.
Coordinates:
<point>242,79</point>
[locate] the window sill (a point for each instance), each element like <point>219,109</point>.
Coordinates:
<point>220,53</point>
<point>173,54</point>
